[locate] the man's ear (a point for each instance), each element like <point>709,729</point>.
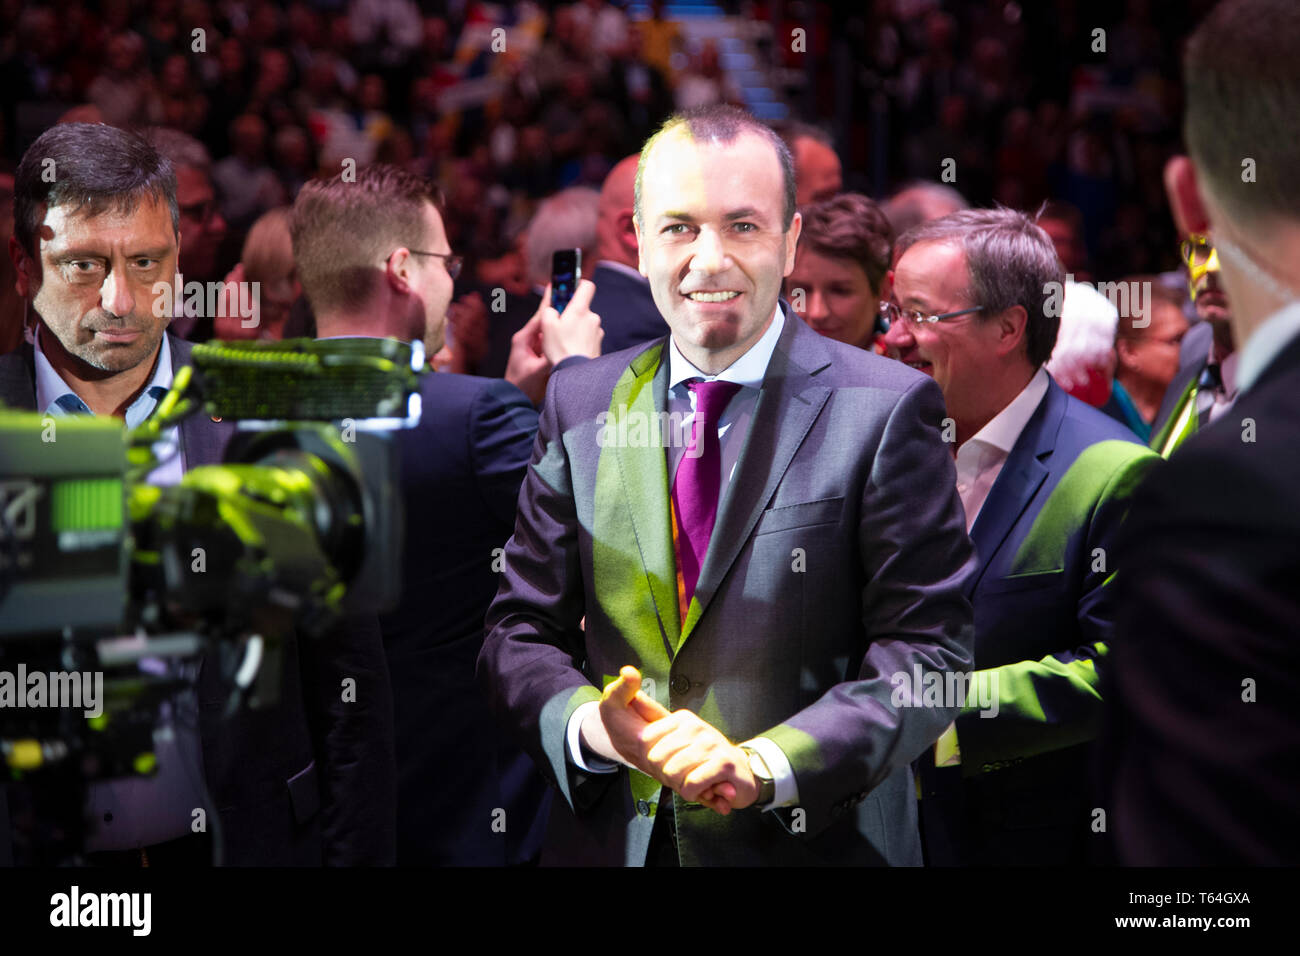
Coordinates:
<point>792,242</point>
<point>627,235</point>
<point>640,247</point>
<point>1186,201</point>
<point>1013,323</point>
<point>397,270</point>
<point>27,271</point>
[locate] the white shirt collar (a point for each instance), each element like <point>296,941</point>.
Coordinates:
<point>50,386</point>
<point>748,370</point>
<point>1267,342</point>
<point>1003,430</point>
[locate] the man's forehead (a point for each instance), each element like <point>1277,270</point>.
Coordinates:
<point>147,220</point>
<point>931,266</point>
<point>679,164</point>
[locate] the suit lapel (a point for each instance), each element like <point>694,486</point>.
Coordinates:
<point>1018,482</point>
<point>632,490</point>
<point>788,404</point>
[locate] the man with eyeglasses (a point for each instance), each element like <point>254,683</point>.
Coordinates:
<point>374,260</point>
<point>1045,480</point>
<point>1206,384</point>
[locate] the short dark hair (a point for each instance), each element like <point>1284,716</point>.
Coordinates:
<point>88,166</point>
<point>1011,262</point>
<point>1242,83</point>
<point>722,124</point>
<point>342,227</point>
<point>850,226</point>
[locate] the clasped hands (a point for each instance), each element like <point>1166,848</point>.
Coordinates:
<point>679,749</point>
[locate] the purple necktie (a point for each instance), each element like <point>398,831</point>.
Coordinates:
<point>698,480</point>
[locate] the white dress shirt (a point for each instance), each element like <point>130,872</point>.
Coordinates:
<point>747,371</point>
<point>55,398</point>
<point>980,458</point>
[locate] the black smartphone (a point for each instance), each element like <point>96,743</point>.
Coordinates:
<point>566,271</point>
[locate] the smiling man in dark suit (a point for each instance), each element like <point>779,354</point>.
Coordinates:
<point>304,783</point>
<point>764,579</point>
<point>1045,480</point>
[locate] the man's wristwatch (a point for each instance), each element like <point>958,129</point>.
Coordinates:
<point>766,784</point>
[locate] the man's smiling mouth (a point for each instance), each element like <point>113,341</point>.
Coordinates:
<point>711,296</point>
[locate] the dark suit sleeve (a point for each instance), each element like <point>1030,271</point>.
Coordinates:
<point>916,558</point>
<point>352,735</point>
<point>1033,707</point>
<point>534,632</point>
<point>1203,733</point>
<point>501,431</point>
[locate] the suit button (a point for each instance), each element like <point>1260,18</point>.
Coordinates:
<point>643,808</point>
<point>679,684</point>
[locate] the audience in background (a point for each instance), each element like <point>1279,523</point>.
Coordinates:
<point>1083,360</point>
<point>840,269</point>
<point>1146,357</point>
<point>267,259</point>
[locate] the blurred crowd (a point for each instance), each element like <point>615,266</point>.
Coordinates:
<point>505,104</point>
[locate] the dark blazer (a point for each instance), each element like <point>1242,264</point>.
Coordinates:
<point>311,781</point>
<point>1043,621</point>
<point>836,563</point>
<point>627,310</point>
<point>1199,763</point>
<point>461,469</point>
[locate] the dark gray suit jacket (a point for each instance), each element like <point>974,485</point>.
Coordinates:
<point>312,781</point>
<point>836,565</point>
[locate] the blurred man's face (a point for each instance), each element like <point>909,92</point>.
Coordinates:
<point>94,290</point>
<point>202,227</point>
<point>432,282</point>
<point>818,172</point>
<point>711,242</point>
<point>1206,286</point>
<point>1068,244</point>
<point>960,353</point>
<point>837,299</point>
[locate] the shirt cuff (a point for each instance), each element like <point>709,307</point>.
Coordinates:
<point>573,735</point>
<point>787,793</point>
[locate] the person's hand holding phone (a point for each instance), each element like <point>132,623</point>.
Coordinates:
<point>576,331</point>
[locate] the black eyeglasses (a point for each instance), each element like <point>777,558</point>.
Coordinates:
<point>891,312</point>
<point>452,262</point>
